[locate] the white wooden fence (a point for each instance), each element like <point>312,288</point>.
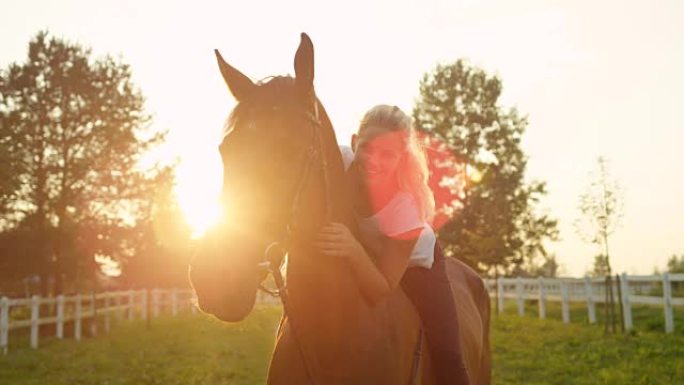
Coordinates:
<point>17,313</point>
<point>634,289</point>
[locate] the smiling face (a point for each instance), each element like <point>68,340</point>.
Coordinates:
<point>379,152</point>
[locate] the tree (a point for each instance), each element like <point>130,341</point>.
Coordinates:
<point>162,243</point>
<point>493,220</point>
<point>601,206</point>
<point>675,265</point>
<point>601,266</point>
<point>74,128</point>
<point>543,266</point>
<point>9,175</point>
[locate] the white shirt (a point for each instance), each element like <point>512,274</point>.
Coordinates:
<point>398,216</point>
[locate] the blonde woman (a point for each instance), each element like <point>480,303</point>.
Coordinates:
<point>393,206</point>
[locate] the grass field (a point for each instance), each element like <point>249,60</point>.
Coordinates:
<point>198,350</point>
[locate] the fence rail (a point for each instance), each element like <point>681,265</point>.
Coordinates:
<point>19,313</point>
<point>634,289</point>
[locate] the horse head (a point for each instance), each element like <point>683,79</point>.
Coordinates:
<point>272,160</point>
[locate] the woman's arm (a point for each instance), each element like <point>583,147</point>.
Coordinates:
<point>376,280</point>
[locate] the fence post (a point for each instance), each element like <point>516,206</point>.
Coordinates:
<point>77,317</point>
<point>106,310</point>
<point>60,317</point>
<point>35,316</point>
<point>519,295</point>
<point>566,303</point>
<point>131,307</point>
<point>667,302</point>
<point>542,298</point>
<point>591,306</point>
<point>626,305</point>
<point>174,302</point>
<point>93,311</point>
<point>4,323</point>
<point>155,303</point>
<point>119,306</point>
<point>500,294</point>
<point>145,300</point>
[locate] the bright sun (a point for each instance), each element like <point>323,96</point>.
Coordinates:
<point>199,183</point>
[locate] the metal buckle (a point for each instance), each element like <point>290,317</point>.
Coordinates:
<point>271,258</point>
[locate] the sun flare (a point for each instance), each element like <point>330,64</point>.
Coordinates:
<point>201,216</point>
<point>198,187</point>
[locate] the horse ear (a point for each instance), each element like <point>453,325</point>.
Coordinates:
<point>304,64</point>
<point>239,85</point>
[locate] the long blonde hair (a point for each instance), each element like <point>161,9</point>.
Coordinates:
<point>413,172</point>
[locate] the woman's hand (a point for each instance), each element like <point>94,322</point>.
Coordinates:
<point>336,240</point>
<point>378,276</point>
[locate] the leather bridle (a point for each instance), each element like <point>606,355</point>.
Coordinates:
<point>314,153</point>
<point>275,252</point>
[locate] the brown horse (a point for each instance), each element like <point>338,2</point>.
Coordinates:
<point>283,179</point>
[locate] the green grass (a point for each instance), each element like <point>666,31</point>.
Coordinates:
<point>183,350</point>
<point>199,350</point>
<point>532,351</point>
<point>528,350</point>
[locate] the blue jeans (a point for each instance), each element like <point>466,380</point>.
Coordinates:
<point>430,292</point>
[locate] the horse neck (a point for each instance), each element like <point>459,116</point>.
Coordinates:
<point>322,290</point>
<point>327,315</point>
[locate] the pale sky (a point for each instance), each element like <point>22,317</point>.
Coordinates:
<point>594,77</point>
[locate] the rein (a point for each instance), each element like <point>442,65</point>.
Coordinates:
<point>275,252</point>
